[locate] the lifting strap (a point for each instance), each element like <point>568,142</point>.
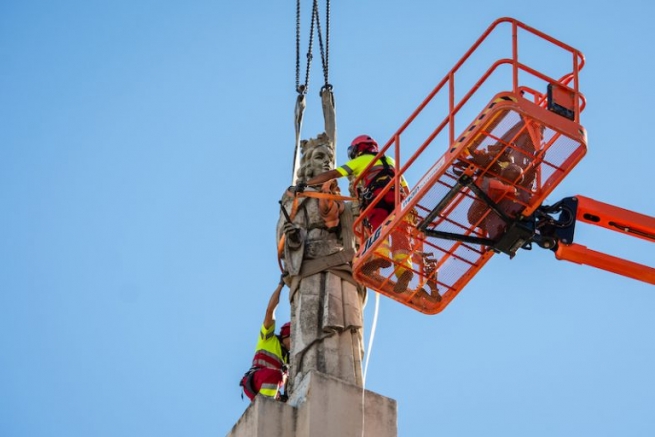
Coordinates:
<point>294,210</point>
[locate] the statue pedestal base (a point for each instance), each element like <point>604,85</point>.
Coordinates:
<point>321,406</point>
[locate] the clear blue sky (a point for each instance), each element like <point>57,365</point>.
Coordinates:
<point>143,148</point>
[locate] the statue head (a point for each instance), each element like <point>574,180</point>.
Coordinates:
<point>317,157</point>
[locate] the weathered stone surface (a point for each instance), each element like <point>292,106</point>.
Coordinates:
<point>322,406</point>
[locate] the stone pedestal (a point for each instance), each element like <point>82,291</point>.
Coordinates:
<point>321,406</point>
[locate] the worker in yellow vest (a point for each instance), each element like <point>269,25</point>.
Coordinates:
<point>361,152</point>
<point>268,373</point>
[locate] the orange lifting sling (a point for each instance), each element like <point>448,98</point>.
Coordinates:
<point>501,167</point>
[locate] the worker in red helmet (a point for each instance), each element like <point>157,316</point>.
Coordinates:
<point>361,152</point>
<point>268,373</point>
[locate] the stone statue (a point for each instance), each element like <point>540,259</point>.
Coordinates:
<point>317,250</point>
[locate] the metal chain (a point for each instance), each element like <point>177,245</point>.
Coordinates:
<point>325,53</point>
<point>298,46</point>
<point>309,48</point>
<point>326,64</point>
<point>320,42</point>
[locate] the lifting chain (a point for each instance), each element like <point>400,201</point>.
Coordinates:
<point>324,48</point>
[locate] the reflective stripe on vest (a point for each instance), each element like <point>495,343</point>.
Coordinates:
<point>264,358</point>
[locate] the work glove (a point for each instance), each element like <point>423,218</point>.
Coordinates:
<point>300,187</point>
<point>292,233</point>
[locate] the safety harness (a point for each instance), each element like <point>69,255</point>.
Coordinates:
<point>377,182</point>
<point>246,381</point>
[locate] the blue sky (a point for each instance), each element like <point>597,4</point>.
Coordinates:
<point>143,148</point>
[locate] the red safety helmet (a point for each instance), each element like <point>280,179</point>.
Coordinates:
<point>362,144</point>
<point>285,330</point>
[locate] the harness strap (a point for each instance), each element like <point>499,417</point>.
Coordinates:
<point>383,175</point>
<point>379,180</point>
<point>246,381</point>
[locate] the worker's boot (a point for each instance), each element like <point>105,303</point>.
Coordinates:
<point>374,264</point>
<point>434,295</point>
<point>403,281</point>
<point>379,259</point>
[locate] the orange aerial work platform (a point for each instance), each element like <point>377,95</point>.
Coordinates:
<point>484,195</point>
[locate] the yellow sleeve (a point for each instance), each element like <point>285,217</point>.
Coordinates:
<point>264,336</point>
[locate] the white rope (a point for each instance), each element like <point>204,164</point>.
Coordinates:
<point>373,327</point>
<point>368,356</point>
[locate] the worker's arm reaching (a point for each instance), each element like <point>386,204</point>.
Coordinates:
<point>335,174</point>
<point>324,177</point>
<point>354,167</point>
<point>269,318</point>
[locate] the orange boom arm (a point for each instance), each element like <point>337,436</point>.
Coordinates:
<point>615,219</point>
